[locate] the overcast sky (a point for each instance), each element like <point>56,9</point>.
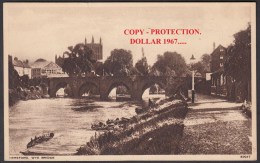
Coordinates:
<point>41,30</point>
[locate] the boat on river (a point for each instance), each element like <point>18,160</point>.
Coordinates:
<point>40,139</point>
<point>110,124</point>
<point>102,126</point>
<point>123,120</point>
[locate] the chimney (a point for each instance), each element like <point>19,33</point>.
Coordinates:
<point>214,46</point>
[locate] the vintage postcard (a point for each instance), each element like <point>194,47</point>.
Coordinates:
<point>129,81</point>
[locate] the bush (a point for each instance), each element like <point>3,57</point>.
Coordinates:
<point>13,97</point>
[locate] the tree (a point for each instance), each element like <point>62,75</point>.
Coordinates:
<point>14,78</point>
<point>119,63</point>
<point>202,66</point>
<point>238,62</point>
<point>142,66</point>
<point>25,80</point>
<point>99,68</point>
<point>199,67</point>
<point>80,60</point>
<point>172,60</point>
<point>205,59</point>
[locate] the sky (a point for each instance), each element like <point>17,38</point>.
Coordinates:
<point>41,30</point>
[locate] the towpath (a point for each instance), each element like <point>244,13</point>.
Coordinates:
<point>216,126</point>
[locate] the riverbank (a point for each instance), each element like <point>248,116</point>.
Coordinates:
<point>24,94</point>
<point>13,97</point>
<point>216,126</point>
<point>156,131</point>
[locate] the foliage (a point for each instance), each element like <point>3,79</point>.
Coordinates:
<point>119,63</point>
<point>79,61</point>
<point>205,59</point>
<point>25,80</point>
<point>13,97</point>
<point>99,68</point>
<point>14,78</point>
<point>202,66</point>
<point>142,66</point>
<point>238,63</point>
<point>134,71</point>
<point>173,61</point>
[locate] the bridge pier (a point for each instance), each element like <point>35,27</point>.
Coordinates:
<point>136,96</point>
<point>51,90</point>
<point>103,97</point>
<point>52,93</point>
<point>75,92</point>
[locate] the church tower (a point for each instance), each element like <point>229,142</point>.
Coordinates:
<point>96,47</point>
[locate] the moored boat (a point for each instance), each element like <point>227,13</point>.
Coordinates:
<point>102,126</point>
<point>40,139</point>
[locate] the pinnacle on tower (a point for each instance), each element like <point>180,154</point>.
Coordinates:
<point>85,41</point>
<point>92,39</point>
<point>100,40</point>
<point>214,46</point>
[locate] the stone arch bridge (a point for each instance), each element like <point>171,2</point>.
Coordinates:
<point>136,85</point>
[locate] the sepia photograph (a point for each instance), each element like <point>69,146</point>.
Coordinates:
<point>129,81</point>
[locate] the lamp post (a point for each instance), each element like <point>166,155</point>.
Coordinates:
<point>193,75</point>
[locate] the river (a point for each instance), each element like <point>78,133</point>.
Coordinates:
<point>69,119</point>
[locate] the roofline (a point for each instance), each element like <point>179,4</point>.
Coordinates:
<point>217,48</point>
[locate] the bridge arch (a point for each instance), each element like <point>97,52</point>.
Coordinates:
<point>135,86</point>
<point>150,84</point>
<point>116,84</point>
<point>88,86</point>
<point>63,84</point>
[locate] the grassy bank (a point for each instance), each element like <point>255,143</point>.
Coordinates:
<point>156,131</point>
<point>220,137</point>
